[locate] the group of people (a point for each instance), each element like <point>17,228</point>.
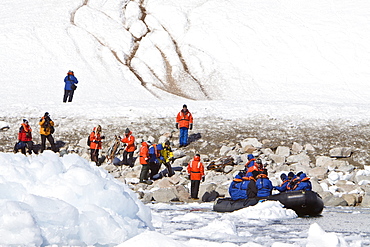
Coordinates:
<point>253,181</point>
<point>151,156</point>
<point>25,136</point>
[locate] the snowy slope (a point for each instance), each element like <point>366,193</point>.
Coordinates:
<point>269,54</point>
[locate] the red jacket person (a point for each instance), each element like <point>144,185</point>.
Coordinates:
<point>196,173</point>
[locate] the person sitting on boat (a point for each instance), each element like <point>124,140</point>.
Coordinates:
<point>252,188</point>
<point>257,166</point>
<point>303,183</point>
<point>264,185</point>
<point>283,186</point>
<point>238,187</point>
<point>250,163</point>
<point>292,180</point>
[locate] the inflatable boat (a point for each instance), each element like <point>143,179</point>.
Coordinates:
<point>304,203</point>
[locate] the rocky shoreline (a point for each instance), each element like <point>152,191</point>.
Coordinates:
<point>337,181</point>
<point>333,154</point>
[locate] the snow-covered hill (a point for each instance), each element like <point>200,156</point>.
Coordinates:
<point>312,55</point>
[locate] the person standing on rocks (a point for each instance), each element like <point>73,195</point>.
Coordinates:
<point>70,86</point>
<point>128,153</point>
<point>46,131</point>
<point>196,173</point>
<point>167,157</point>
<point>184,122</point>
<point>96,144</point>
<point>144,159</point>
<point>154,158</point>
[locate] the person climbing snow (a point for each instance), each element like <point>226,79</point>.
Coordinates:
<point>70,86</point>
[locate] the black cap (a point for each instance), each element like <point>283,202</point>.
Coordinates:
<point>46,114</point>
<point>127,130</point>
<point>290,174</point>
<point>184,106</point>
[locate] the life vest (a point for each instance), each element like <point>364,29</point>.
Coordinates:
<point>144,153</point>
<point>250,163</point>
<point>263,185</point>
<point>130,141</point>
<point>95,140</point>
<point>283,186</point>
<point>184,119</point>
<point>292,183</point>
<point>196,169</point>
<point>25,133</point>
<point>303,184</point>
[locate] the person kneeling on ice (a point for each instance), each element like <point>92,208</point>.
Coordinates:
<point>263,184</point>
<point>303,183</point>
<point>196,173</point>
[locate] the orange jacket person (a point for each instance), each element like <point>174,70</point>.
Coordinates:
<point>129,140</point>
<point>96,144</point>
<point>196,173</point>
<point>144,159</point>
<point>184,121</point>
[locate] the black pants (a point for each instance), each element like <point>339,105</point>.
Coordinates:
<point>68,94</point>
<point>28,145</point>
<point>128,158</point>
<point>194,188</point>
<point>169,168</point>
<point>154,168</point>
<point>94,155</point>
<point>144,172</point>
<point>51,141</point>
